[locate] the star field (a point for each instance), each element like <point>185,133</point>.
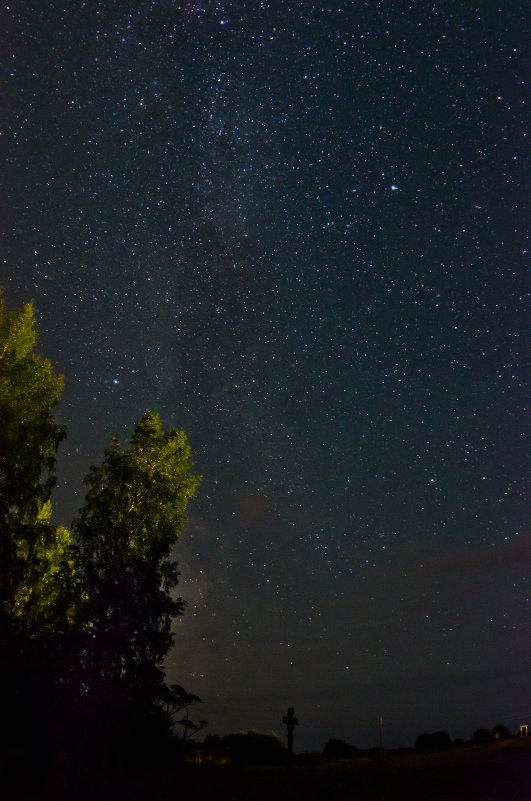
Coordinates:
<point>296,230</point>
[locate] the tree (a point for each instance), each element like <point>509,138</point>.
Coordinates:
<point>256,748</point>
<point>481,736</point>
<point>172,701</point>
<point>29,435</point>
<point>45,602</point>
<point>36,558</point>
<point>29,438</point>
<point>437,741</point>
<point>131,519</point>
<point>500,732</point>
<point>338,749</point>
<point>90,612</point>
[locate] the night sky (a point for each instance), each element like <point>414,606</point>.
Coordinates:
<point>296,230</point>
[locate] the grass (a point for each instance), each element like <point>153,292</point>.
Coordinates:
<point>494,772</point>
<point>498,771</point>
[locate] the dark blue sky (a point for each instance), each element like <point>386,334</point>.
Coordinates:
<point>297,231</point>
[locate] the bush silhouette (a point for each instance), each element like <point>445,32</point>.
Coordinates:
<point>500,733</point>
<point>436,741</point>
<point>481,736</point>
<point>338,749</point>
<point>256,748</point>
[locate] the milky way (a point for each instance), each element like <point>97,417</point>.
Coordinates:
<point>297,231</point>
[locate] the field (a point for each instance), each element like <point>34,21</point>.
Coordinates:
<point>494,772</point>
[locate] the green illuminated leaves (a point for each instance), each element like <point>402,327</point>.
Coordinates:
<point>33,570</point>
<point>29,435</point>
<point>45,598</point>
<point>132,517</point>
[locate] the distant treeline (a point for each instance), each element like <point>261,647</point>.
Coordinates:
<point>260,748</point>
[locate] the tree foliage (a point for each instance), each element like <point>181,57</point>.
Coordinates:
<point>436,741</point>
<point>29,435</point>
<point>85,617</point>
<point>500,732</point>
<point>132,517</point>
<point>338,749</point>
<point>35,557</point>
<point>172,700</point>
<point>45,598</point>
<point>256,748</point>
<point>481,736</point>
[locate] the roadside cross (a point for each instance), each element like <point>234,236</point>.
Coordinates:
<point>290,721</point>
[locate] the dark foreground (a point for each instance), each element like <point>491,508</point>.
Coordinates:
<point>494,772</point>
<point>500,772</point>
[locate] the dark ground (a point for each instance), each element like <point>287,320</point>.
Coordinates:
<point>497,772</point>
<point>494,772</point>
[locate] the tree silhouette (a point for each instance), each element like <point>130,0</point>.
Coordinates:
<point>173,699</point>
<point>338,749</point>
<point>500,732</point>
<point>437,741</point>
<point>256,748</point>
<point>85,619</point>
<point>132,517</point>
<point>37,598</point>
<point>481,736</point>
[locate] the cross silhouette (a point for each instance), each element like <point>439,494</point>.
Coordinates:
<point>291,721</point>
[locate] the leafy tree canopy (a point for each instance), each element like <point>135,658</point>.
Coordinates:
<point>45,594</point>
<point>85,619</point>
<point>29,435</point>
<point>132,517</point>
<point>253,747</point>
<point>35,557</point>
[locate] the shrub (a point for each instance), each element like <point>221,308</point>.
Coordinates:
<point>256,748</point>
<point>436,741</point>
<point>481,736</point>
<point>338,749</point>
<point>500,733</point>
